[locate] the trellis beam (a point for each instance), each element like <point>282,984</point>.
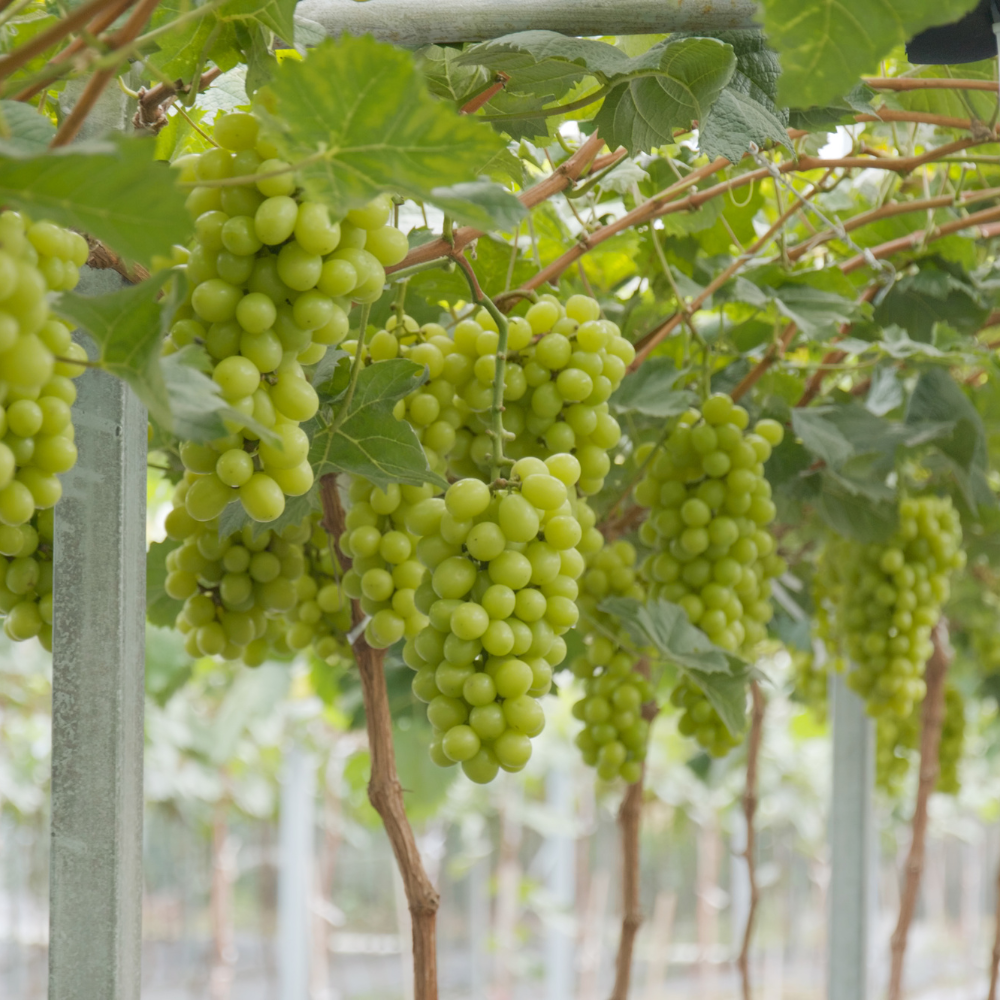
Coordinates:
<point>421,22</point>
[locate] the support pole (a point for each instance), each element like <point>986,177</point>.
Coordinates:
<point>295,885</point>
<point>851,841</point>
<point>420,22</point>
<point>559,936</point>
<point>95,921</point>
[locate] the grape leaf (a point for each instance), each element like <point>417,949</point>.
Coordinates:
<point>676,83</point>
<point>649,391</point>
<point>278,15</point>
<point>484,204</point>
<point>23,131</point>
<point>127,327</point>
<point>360,116</point>
<point>825,46</point>
<point>449,76</point>
<point>112,191</point>
<point>852,515</point>
<point>161,608</point>
<point>547,64</point>
<point>721,675</point>
<point>666,628</point>
<point>734,121</point>
<point>369,441</point>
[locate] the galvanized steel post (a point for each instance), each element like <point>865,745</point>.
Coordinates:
<point>419,22</point>
<point>851,845</point>
<point>98,647</point>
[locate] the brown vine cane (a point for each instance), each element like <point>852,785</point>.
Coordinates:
<point>384,789</point>
<point>932,719</point>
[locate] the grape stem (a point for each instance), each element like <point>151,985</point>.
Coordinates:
<point>352,386</point>
<point>496,431</point>
<point>384,789</point>
<point>932,719</point>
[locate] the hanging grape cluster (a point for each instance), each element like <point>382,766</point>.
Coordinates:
<point>563,363</point>
<point>884,600</point>
<point>709,507</point>
<point>270,282</point>
<point>321,616</point>
<point>38,360</point>
<point>385,573</point>
<point>501,592</point>
<point>615,734</point>
<point>898,738</point>
<point>236,590</point>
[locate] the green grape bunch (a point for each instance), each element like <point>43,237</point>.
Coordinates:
<point>38,361</point>
<point>563,364</point>
<point>616,733</point>
<point>885,600</point>
<point>237,590</point>
<point>270,279</point>
<point>952,744</point>
<point>500,593</point>
<point>432,410</point>
<point>700,720</point>
<point>385,571</point>
<point>898,739</point>
<point>710,551</point>
<point>321,617</point>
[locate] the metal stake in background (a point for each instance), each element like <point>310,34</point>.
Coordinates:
<point>419,22</point>
<point>98,650</point>
<point>295,884</point>
<point>851,843</point>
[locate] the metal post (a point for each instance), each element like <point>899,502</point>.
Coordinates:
<point>419,22</point>
<point>298,791</point>
<point>851,843</point>
<point>559,960</point>
<point>95,921</point>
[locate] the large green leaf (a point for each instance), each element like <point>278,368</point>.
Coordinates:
<point>675,84</point>
<point>113,191</point>
<point>825,46</point>
<point>358,117</point>
<point>369,441</point>
<point>127,327</point>
<point>736,120</point>
<point>650,391</point>
<point>447,74</point>
<point>23,131</point>
<point>548,64</point>
<point>483,204</point>
<point>665,627</point>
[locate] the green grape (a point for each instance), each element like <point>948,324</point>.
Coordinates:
<point>880,602</point>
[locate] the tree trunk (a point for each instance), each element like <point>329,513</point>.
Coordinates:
<point>930,740</point>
